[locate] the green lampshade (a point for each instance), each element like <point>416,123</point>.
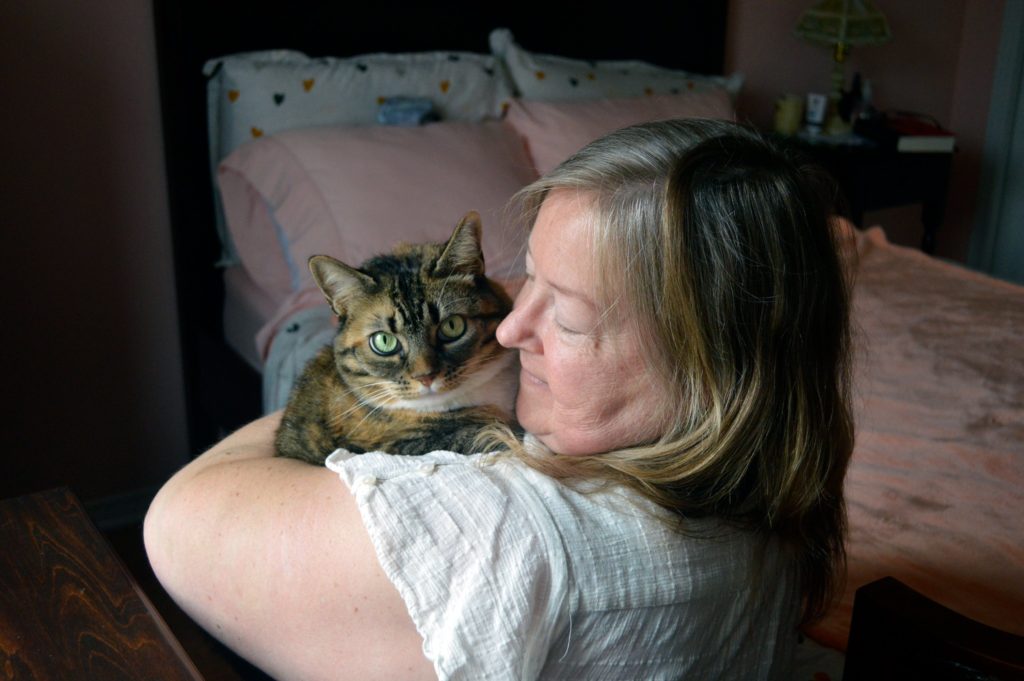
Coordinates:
<point>843,23</point>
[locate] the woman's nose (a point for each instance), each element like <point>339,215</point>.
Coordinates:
<point>509,330</point>
<point>516,329</point>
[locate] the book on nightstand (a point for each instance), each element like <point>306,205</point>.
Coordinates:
<point>907,132</point>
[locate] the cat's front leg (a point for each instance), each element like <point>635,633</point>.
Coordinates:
<point>456,431</point>
<point>303,439</point>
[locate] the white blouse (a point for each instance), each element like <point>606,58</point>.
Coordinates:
<point>509,574</point>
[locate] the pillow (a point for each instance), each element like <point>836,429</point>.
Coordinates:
<point>553,131</point>
<point>354,192</point>
<point>260,93</point>
<point>548,77</point>
<point>253,94</point>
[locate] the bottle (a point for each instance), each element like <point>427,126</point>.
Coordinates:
<point>852,100</point>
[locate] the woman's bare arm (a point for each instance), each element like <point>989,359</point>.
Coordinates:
<point>271,556</point>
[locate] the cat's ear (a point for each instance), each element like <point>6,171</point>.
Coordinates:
<point>463,254</point>
<point>338,281</point>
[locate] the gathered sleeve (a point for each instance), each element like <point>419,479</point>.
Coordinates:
<point>473,552</point>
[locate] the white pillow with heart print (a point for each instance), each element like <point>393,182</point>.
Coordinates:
<point>254,94</point>
<point>551,77</point>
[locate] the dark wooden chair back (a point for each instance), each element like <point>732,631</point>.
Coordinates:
<point>900,634</point>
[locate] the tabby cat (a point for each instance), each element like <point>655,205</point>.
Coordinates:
<point>415,365</point>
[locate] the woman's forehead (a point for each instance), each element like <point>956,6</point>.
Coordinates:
<point>564,225</point>
<point>561,242</point>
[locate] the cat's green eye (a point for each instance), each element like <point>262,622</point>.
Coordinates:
<point>452,328</point>
<point>384,343</point>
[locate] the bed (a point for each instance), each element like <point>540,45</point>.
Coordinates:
<point>326,128</point>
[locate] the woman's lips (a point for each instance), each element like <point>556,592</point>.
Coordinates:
<point>527,378</point>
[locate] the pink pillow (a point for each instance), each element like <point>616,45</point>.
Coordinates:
<point>354,192</point>
<point>555,130</point>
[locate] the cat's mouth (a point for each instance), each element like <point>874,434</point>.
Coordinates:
<point>422,388</point>
<point>425,398</point>
<point>416,393</point>
<point>445,393</point>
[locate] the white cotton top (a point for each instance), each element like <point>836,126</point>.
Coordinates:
<point>509,574</point>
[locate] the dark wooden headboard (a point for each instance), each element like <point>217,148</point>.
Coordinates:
<point>221,392</point>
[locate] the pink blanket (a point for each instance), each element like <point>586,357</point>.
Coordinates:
<point>936,487</point>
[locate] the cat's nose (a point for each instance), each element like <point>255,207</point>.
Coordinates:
<point>426,379</point>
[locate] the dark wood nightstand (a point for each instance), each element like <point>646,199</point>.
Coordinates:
<point>68,607</point>
<point>872,178</point>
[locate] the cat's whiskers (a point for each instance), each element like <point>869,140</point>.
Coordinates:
<point>374,399</point>
<point>368,399</point>
<point>363,403</point>
<point>354,407</point>
<point>363,387</point>
<point>369,413</point>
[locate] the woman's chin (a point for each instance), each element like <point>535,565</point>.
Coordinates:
<point>530,416</point>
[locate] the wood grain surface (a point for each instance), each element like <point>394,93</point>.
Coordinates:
<point>68,607</point>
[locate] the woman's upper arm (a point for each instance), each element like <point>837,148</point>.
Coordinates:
<point>272,557</point>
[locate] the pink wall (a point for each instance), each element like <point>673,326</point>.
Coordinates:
<point>940,61</point>
<point>91,370</point>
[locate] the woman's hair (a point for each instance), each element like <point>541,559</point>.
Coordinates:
<point>724,255</point>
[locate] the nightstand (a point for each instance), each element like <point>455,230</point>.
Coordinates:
<point>872,178</point>
<point>69,609</point>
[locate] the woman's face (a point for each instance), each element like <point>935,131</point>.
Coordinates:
<point>583,388</point>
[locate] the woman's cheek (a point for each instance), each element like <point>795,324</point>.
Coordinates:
<point>566,372</point>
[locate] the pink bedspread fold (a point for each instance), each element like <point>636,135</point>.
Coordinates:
<point>935,490</point>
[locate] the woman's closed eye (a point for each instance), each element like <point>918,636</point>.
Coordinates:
<point>566,328</point>
<point>572,316</point>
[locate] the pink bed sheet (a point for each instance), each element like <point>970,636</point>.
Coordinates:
<point>935,490</point>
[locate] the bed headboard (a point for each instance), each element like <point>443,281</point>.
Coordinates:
<point>686,35</point>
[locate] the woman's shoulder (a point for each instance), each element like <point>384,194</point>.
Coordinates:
<point>463,539</point>
<point>502,498</point>
<point>498,488</point>
<point>459,500</point>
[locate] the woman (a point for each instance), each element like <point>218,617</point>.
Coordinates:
<point>676,510</point>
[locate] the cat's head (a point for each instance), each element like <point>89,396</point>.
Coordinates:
<point>417,324</point>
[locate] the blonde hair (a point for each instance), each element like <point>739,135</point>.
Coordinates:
<point>731,276</point>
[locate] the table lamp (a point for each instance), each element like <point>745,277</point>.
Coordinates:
<point>841,24</point>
